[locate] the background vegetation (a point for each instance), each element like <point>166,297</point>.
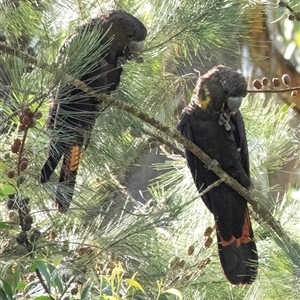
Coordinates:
<point>137,228</point>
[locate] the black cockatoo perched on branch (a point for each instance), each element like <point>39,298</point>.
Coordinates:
<point>73,113</point>
<point>214,123</point>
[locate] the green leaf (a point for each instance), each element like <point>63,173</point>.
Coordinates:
<point>6,190</point>
<point>3,225</point>
<point>173,292</point>
<point>21,285</point>
<point>85,292</point>
<point>59,284</point>
<point>42,267</point>
<point>32,267</point>
<point>110,297</point>
<point>43,298</point>
<point>7,288</point>
<point>107,291</point>
<point>163,297</point>
<point>51,268</point>
<point>57,259</point>
<point>132,282</point>
<point>16,276</point>
<point>118,271</point>
<point>2,166</point>
<point>2,294</point>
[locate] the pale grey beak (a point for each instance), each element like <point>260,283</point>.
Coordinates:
<point>234,103</point>
<point>135,47</point>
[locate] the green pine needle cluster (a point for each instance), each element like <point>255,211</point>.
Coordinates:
<point>159,235</point>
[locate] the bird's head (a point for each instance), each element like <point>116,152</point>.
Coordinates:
<point>127,31</point>
<point>221,89</point>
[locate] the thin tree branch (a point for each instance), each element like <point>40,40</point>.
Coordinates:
<point>162,140</point>
<point>295,88</point>
<point>16,112</point>
<point>265,215</point>
<point>169,39</point>
<point>210,187</point>
<point>25,56</point>
<point>43,283</point>
<point>67,287</point>
<point>296,14</point>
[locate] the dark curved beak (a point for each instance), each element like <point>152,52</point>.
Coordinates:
<point>234,103</point>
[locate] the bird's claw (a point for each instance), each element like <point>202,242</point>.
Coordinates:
<point>213,163</point>
<point>224,120</point>
<point>121,61</point>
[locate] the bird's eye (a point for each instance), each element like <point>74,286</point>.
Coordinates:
<point>130,36</point>
<point>226,92</point>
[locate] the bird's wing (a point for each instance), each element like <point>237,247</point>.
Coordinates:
<point>241,140</point>
<point>237,249</point>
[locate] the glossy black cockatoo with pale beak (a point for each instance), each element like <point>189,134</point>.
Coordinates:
<point>214,123</point>
<point>73,113</point>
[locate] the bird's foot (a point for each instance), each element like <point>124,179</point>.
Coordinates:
<point>213,163</point>
<point>224,120</point>
<point>121,61</point>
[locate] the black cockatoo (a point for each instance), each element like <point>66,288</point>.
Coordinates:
<point>214,123</point>
<point>73,113</point>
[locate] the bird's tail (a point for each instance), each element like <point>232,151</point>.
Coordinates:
<point>238,256</point>
<point>65,189</point>
<point>56,151</point>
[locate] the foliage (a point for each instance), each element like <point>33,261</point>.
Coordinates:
<point>111,243</point>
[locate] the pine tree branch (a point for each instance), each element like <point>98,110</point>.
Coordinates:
<point>169,39</point>
<point>266,91</point>
<point>17,111</point>
<point>210,187</point>
<point>25,56</point>
<point>295,14</point>
<point>265,215</point>
<point>164,141</point>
